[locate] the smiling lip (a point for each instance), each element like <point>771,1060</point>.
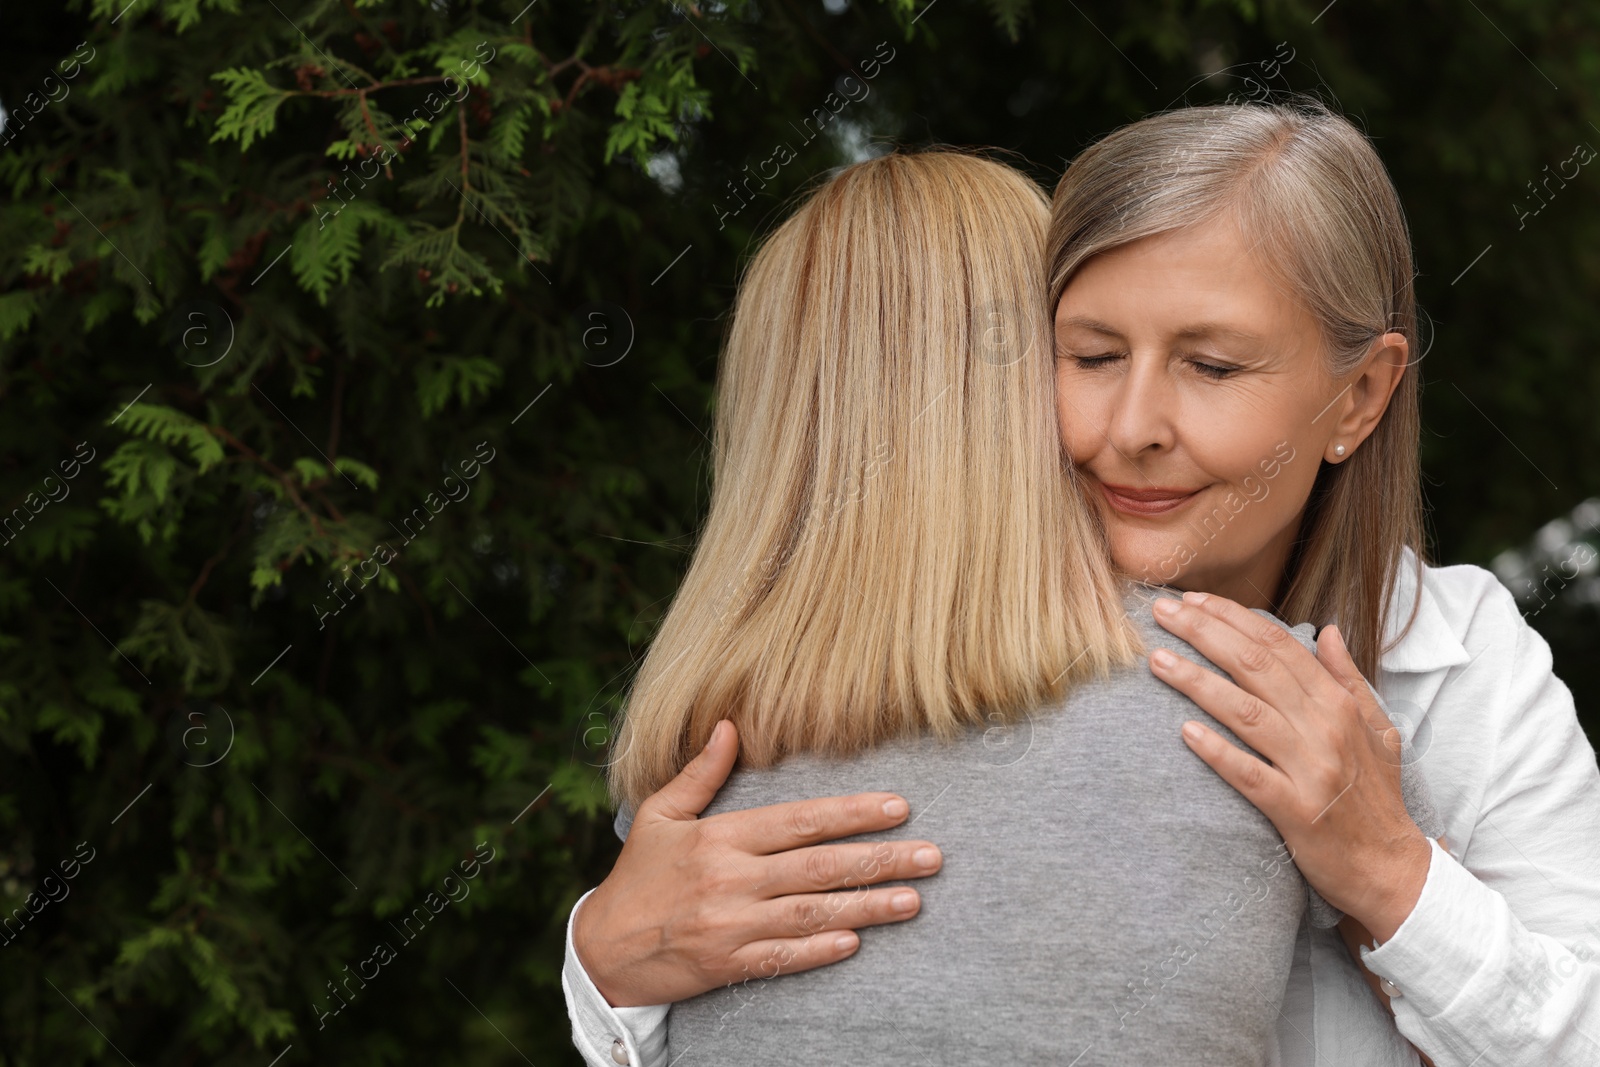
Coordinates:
<point>1155,500</point>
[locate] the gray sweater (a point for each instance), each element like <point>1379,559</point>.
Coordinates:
<point>1106,898</point>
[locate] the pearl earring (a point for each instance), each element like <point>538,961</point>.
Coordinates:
<point>1338,450</point>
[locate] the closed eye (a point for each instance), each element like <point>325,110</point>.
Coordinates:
<point>1212,370</point>
<point>1091,362</point>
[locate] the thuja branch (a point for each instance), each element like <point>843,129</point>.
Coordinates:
<point>398,82</point>
<point>613,78</point>
<point>283,478</point>
<point>222,554</point>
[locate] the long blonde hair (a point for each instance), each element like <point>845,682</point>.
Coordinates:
<point>1310,192</point>
<point>895,541</point>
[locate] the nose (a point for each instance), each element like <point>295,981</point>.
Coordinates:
<point>1141,413</point>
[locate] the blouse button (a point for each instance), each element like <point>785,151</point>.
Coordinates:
<point>1389,987</point>
<point>619,1052</point>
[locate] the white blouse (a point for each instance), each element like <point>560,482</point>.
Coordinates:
<point>1499,961</point>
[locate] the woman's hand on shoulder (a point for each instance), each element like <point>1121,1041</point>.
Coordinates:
<point>696,903</point>
<point>1332,786</point>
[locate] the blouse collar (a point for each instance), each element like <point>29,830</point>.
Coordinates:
<point>1431,644</point>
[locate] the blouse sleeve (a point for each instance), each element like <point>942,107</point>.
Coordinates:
<point>607,1036</point>
<point>1499,961</point>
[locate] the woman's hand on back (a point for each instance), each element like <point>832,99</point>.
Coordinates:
<point>695,903</point>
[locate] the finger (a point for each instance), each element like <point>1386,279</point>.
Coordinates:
<point>824,867</point>
<point>782,827</point>
<point>1334,655</point>
<point>687,795</point>
<point>1268,788</point>
<point>1257,723</point>
<point>1261,656</point>
<point>789,955</point>
<point>808,914</point>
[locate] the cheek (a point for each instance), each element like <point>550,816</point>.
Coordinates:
<point>1288,492</point>
<point>1266,507</point>
<point>1081,415</point>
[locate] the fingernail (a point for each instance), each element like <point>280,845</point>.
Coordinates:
<point>714,731</point>
<point>1165,606</point>
<point>845,941</point>
<point>1164,659</point>
<point>903,901</point>
<point>1191,731</point>
<point>1196,598</point>
<point>925,857</point>
<point>895,808</point>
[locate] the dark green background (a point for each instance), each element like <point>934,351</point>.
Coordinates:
<point>140,614</point>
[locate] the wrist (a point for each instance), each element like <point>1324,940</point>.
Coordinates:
<point>590,950</point>
<point>1396,888</point>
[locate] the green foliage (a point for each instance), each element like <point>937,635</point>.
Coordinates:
<point>467,379</point>
<point>280,691</point>
<point>16,312</point>
<point>153,481</point>
<point>326,248</point>
<point>1011,14</point>
<point>252,109</point>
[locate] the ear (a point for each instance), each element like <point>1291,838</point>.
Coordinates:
<point>1368,389</point>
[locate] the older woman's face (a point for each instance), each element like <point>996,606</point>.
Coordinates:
<point>1195,398</point>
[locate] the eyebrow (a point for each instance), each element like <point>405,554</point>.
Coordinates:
<point>1199,330</point>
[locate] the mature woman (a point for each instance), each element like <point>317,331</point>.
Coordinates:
<point>1260,290</point>
<point>1227,279</point>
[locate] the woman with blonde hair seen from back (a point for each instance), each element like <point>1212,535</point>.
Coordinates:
<point>899,585</point>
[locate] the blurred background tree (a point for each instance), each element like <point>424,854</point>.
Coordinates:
<point>356,420</point>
